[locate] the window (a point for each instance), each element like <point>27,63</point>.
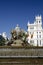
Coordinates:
<point>31,41</point>
<point>40,42</point>
<point>37,42</point>
<point>37,32</point>
<point>39,21</point>
<point>39,36</point>
<point>31,27</point>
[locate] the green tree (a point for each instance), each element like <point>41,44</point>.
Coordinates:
<point>2,40</point>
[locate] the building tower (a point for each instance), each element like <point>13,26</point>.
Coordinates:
<point>36,32</point>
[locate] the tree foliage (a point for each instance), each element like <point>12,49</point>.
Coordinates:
<point>2,40</point>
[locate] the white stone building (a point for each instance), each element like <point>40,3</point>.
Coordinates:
<point>35,32</point>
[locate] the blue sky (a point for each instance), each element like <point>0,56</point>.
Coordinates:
<point>14,12</point>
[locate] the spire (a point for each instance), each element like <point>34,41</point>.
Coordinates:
<point>38,17</point>
<point>28,23</point>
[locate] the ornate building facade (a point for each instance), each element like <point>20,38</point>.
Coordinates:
<point>35,32</point>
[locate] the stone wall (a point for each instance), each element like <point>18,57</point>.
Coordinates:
<point>21,61</point>
<point>21,56</point>
<point>21,51</point>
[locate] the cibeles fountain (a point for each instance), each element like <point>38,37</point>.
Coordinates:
<point>18,37</point>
